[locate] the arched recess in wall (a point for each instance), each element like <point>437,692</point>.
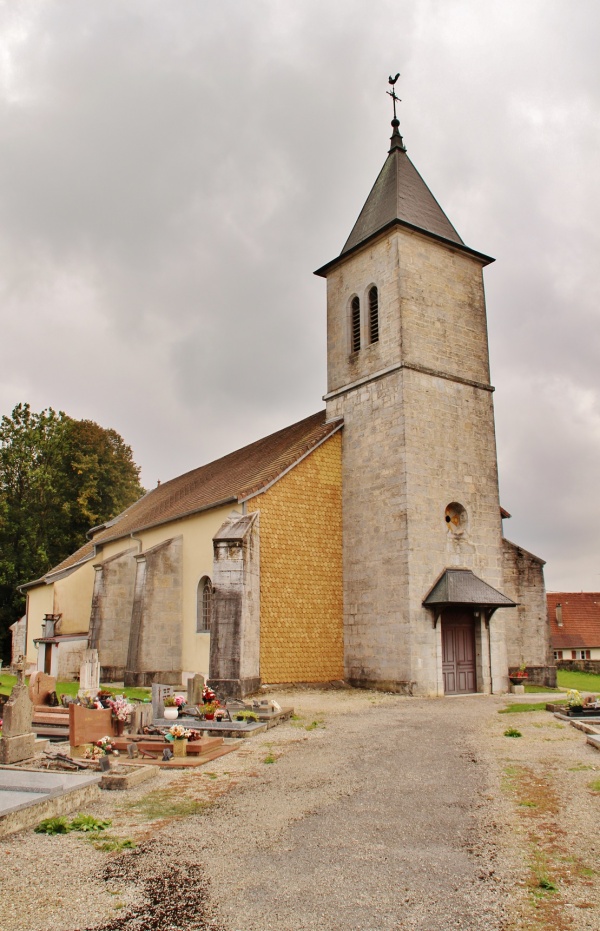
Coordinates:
<point>456,518</point>
<point>373,301</point>
<point>204,605</point>
<point>355,324</point>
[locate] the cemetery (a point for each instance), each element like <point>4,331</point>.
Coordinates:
<point>58,753</point>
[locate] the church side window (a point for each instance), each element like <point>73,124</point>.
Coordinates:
<point>355,324</point>
<point>373,315</point>
<point>204,605</point>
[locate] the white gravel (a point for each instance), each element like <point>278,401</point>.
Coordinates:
<point>379,813</point>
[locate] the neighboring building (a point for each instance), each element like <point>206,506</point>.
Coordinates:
<point>574,620</point>
<point>366,542</point>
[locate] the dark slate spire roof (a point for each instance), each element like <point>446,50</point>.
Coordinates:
<point>400,195</point>
<point>463,587</point>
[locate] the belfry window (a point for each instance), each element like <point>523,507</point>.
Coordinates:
<point>373,315</point>
<point>204,604</point>
<point>355,324</point>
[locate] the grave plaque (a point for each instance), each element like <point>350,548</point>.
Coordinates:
<point>159,693</point>
<point>195,688</point>
<point>89,675</point>
<point>41,686</point>
<point>141,717</point>
<point>87,725</point>
<point>104,764</point>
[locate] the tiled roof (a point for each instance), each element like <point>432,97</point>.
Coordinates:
<point>580,620</point>
<point>234,477</point>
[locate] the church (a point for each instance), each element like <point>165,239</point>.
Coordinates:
<point>364,543</point>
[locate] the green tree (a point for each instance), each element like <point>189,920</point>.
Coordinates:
<point>58,478</point>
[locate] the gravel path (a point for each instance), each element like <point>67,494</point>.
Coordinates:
<point>367,813</point>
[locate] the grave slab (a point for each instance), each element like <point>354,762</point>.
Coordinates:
<point>28,796</point>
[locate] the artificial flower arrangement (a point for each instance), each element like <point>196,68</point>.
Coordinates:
<point>574,699</point>
<point>178,732</point>
<point>120,708</point>
<point>107,746</point>
<point>209,697</point>
<point>208,708</point>
<point>175,701</point>
<point>102,747</point>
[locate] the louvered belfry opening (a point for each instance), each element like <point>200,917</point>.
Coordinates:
<point>373,315</point>
<point>355,305</point>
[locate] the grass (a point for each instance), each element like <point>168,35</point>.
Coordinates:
<point>110,843</point>
<point>160,804</point>
<point>512,732</point>
<point>521,708</point>
<point>71,689</point>
<point>582,681</point>
<point>595,785</point>
<point>532,689</point>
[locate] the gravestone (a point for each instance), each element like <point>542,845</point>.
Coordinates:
<point>41,686</point>
<point>141,718</point>
<point>87,725</point>
<point>18,740</point>
<point>159,693</point>
<point>89,675</point>
<point>104,764</point>
<point>195,687</point>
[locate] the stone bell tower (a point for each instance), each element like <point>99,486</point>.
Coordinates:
<point>408,371</point>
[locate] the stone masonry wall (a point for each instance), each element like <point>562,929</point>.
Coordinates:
<point>415,440</point>
<point>110,617</point>
<point>301,570</point>
<point>527,628</point>
<point>154,653</point>
<point>431,310</point>
<point>377,624</point>
<point>235,628</point>
<point>450,458</point>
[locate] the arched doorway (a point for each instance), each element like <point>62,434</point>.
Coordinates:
<point>458,651</point>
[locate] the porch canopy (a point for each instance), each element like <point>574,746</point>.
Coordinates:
<point>461,587</point>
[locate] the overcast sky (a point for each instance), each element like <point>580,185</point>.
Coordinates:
<point>171,173</point>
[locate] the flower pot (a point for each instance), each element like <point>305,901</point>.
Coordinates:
<point>576,709</point>
<point>518,680</point>
<point>209,717</point>
<point>171,714</point>
<point>180,747</point>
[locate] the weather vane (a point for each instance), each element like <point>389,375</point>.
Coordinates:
<point>392,93</point>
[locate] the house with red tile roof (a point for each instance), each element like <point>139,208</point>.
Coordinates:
<point>574,621</point>
<point>364,542</point>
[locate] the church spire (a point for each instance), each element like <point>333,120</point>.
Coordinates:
<point>399,197</point>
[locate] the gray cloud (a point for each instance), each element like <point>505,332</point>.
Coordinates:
<point>172,174</point>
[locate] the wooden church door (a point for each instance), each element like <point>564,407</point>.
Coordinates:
<point>458,652</point>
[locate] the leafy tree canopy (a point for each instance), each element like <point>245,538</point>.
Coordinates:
<point>58,478</point>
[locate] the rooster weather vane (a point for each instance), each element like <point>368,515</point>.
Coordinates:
<point>392,93</point>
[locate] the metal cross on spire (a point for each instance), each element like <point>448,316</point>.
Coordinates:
<point>392,93</point>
